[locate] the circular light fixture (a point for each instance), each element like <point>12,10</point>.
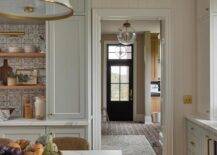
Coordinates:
<point>126,35</point>
<point>36,9</point>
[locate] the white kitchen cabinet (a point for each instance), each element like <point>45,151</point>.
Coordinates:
<point>200,140</point>
<point>66,68</point>
<point>78,6</point>
<point>67,131</point>
<point>30,133</point>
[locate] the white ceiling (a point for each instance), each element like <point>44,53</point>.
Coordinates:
<point>112,26</point>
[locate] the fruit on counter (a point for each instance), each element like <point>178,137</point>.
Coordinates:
<point>23,143</point>
<point>38,149</point>
<point>14,145</point>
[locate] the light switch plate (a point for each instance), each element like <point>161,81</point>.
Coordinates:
<point>187,99</point>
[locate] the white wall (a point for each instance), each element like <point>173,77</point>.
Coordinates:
<point>184,69</point>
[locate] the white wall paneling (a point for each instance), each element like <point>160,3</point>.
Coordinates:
<point>203,58</point>
<point>67,95</point>
<point>213,64</point>
<point>137,14</point>
<point>213,5</point>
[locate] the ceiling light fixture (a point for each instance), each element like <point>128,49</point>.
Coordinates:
<point>36,9</point>
<point>126,35</point>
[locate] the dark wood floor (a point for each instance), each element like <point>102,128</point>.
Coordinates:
<point>151,132</point>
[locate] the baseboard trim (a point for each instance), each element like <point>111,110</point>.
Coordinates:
<point>148,120</point>
<point>139,118</point>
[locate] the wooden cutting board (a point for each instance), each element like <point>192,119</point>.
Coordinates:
<point>5,70</point>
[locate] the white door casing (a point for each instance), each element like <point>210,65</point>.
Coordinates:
<point>136,14</point>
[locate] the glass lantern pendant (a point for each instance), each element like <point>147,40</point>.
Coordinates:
<point>36,9</point>
<point>126,35</point>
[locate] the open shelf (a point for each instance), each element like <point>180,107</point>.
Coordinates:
<point>38,86</point>
<point>22,55</point>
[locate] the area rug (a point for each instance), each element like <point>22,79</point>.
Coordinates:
<point>151,131</point>
<point>129,144</point>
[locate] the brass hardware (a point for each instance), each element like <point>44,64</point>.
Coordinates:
<point>192,128</point>
<point>207,9</point>
<point>12,34</point>
<point>192,143</point>
<point>50,114</point>
<point>131,94</point>
<point>187,99</point>
<point>28,9</point>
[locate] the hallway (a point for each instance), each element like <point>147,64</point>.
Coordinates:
<point>131,137</point>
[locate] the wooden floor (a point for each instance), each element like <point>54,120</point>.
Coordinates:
<point>151,132</point>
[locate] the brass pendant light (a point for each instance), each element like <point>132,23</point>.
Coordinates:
<point>36,9</point>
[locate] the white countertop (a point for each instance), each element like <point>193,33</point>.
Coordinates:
<point>205,123</point>
<point>92,152</point>
<point>34,122</point>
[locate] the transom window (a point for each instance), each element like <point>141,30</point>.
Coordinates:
<point>116,52</point>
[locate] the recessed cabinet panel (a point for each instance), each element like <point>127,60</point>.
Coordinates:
<point>67,131</point>
<point>67,68</point>
<point>203,75</point>
<point>32,133</point>
<point>78,6</point>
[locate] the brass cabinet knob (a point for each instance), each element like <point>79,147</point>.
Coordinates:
<point>192,143</point>
<point>50,114</point>
<point>192,128</point>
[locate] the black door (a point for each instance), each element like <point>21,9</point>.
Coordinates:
<point>120,82</point>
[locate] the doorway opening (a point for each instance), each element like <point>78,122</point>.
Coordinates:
<point>131,88</point>
<point>96,71</point>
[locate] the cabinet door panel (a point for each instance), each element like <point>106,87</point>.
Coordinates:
<point>14,133</point>
<point>67,131</point>
<point>67,68</point>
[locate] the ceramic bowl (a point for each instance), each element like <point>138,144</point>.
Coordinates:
<point>15,49</point>
<point>29,48</point>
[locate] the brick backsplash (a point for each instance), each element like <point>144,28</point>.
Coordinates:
<point>14,98</point>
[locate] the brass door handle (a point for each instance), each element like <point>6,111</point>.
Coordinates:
<point>131,94</point>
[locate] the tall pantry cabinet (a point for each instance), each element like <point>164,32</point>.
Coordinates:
<point>67,66</point>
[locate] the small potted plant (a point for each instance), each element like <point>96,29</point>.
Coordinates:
<point>12,79</point>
